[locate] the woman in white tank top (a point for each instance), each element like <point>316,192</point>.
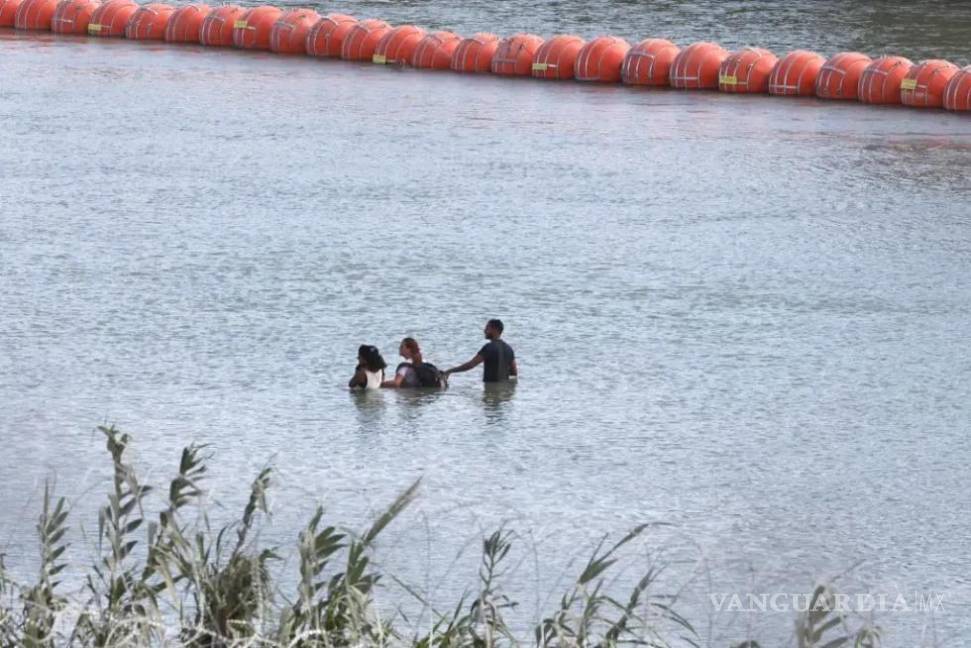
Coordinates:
<point>370,369</point>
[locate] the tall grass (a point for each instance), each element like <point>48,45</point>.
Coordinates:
<point>171,579</point>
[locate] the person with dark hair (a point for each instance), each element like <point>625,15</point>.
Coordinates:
<point>414,371</point>
<point>370,368</point>
<point>498,357</point>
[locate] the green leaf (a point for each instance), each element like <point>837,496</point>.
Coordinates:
<point>399,505</point>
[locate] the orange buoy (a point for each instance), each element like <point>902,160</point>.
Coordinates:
<point>924,84</point>
<point>149,22</point>
<point>435,50</point>
<point>649,63</point>
<point>289,33</point>
<point>185,24</point>
<point>398,45</point>
<point>557,57</point>
<point>957,93</point>
<point>217,26</point>
<point>601,59</point>
<point>880,81</point>
<point>35,14</point>
<point>839,77</point>
<point>110,19</point>
<point>747,71</point>
<point>795,74</point>
<point>514,56</point>
<point>696,66</point>
<point>8,12</point>
<point>362,39</point>
<point>252,30</point>
<point>475,54</point>
<point>327,37</point>
<point>73,16</point>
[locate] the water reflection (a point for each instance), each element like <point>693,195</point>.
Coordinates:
<point>370,405</point>
<point>496,400</point>
<point>768,270</point>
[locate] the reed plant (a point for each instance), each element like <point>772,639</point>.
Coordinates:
<point>173,579</point>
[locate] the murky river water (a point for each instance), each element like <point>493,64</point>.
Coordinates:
<point>746,317</point>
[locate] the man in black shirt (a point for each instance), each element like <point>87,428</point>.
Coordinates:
<point>499,358</point>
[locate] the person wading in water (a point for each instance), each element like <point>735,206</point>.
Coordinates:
<point>369,373</point>
<point>414,372</point>
<point>498,357</point>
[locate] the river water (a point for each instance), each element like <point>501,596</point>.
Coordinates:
<point>746,317</point>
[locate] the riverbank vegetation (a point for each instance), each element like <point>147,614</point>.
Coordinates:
<point>168,578</point>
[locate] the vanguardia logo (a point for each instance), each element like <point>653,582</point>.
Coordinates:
<point>922,602</point>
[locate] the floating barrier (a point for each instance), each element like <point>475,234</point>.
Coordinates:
<point>839,78</point>
<point>73,16</point>
<point>557,57</point>
<point>957,94</point>
<point>252,31</point>
<point>514,56</point>
<point>326,38</point>
<point>217,26</point>
<point>111,18</point>
<point>35,15</point>
<point>435,50</point>
<point>881,80</point>
<point>924,85</point>
<point>649,63</point>
<point>696,66</point>
<point>475,54</point>
<point>653,62</point>
<point>601,60</point>
<point>8,12</point>
<point>149,22</point>
<point>795,74</point>
<point>362,39</point>
<point>185,23</point>
<point>747,71</point>
<point>398,45</point>
<point>289,33</point>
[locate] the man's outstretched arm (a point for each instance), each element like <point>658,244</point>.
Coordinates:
<point>471,364</point>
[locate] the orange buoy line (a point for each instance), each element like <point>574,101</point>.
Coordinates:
<point>475,54</point>
<point>514,56</point>
<point>747,71</point>
<point>649,63</point>
<point>149,22</point>
<point>398,46</point>
<point>73,16</point>
<point>795,74</point>
<point>435,50</point>
<point>289,33</point>
<point>110,20</point>
<point>185,23</point>
<point>957,92</point>
<point>217,27</point>
<point>601,60</point>
<point>696,67</point>
<point>556,58</point>
<point>654,62</point>
<point>925,83</point>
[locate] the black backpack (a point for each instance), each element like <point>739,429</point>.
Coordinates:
<point>428,374</point>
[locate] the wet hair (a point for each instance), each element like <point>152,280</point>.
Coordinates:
<point>495,324</point>
<point>372,357</point>
<point>412,345</point>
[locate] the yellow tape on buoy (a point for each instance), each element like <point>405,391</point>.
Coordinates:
<point>908,84</point>
<point>380,59</point>
<point>540,67</point>
<point>94,28</point>
<point>727,79</point>
<point>239,24</point>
